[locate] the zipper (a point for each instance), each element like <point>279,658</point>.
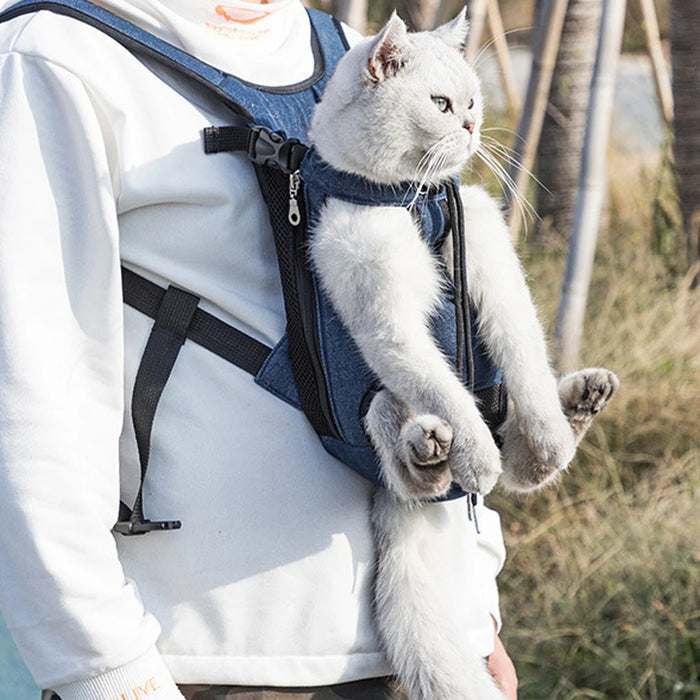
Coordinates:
<point>307,302</point>
<point>293,215</point>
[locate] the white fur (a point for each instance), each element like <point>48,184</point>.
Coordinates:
<point>354,103</point>
<point>427,646</point>
<point>379,119</point>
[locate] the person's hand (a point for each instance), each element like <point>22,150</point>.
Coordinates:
<point>503,670</point>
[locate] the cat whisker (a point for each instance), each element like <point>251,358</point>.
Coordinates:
<point>505,129</point>
<point>519,200</point>
<point>432,162</point>
<point>482,51</point>
<point>507,154</point>
<point>501,146</point>
<point>498,151</point>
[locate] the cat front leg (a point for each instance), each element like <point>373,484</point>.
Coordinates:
<point>512,333</point>
<point>421,453</point>
<point>583,395</point>
<point>384,284</point>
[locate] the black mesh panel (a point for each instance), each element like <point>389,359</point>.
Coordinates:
<point>299,299</point>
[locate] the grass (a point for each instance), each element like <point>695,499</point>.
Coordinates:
<point>601,591</point>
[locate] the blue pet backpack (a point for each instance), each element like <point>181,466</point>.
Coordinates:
<point>316,366</point>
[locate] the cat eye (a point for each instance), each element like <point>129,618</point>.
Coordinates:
<point>442,103</point>
<point>471,103</point>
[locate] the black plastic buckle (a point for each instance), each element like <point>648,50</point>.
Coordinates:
<point>266,147</point>
<point>143,527</point>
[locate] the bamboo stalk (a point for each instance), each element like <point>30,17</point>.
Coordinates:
<point>658,60</point>
<point>477,20</point>
<point>352,12</point>
<point>544,58</point>
<point>505,62</point>
<point>592,188</point>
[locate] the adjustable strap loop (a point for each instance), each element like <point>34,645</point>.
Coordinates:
<point>168,334</point>
<point>177,318</point>
<point>205,329</point>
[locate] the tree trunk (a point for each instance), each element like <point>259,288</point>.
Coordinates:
<point>505,62</point>
<point>559,151</point>
<point>658,60</point>
<point>546,40</point>
<point>685,58</point>
<point>477,22</point>
<point>592,188</point>
<point>352,12</point>
<point>419,14</point>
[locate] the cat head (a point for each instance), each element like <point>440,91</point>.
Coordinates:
<point>402,106</point>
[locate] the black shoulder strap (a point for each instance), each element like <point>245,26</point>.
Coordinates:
<point>464,361</point>
<point>177,318</point>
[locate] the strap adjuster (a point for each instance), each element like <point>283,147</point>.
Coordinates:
<point>267,147</point>
<point>142,527</point>
<point>262,145</point>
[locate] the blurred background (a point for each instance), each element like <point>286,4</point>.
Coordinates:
<point>601,591</point>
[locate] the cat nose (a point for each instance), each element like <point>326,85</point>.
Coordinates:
<point>469,126</point>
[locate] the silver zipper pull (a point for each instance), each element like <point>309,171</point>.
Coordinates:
<point>294,214</point>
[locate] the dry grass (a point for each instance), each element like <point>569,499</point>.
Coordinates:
<point>601,592</point>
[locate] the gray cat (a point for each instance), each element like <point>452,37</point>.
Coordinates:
<point>425,108</point>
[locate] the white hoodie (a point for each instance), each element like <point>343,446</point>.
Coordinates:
<point>269,579</point>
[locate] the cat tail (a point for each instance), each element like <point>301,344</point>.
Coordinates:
<point>426,648</point>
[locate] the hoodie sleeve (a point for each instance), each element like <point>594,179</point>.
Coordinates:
<point>78,624</point>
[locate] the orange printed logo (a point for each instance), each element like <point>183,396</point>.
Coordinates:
<point>240,15</point>
<point>141,691</point>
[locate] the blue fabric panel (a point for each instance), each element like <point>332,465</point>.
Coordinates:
<point>276,375</point>
<point>350,378</point>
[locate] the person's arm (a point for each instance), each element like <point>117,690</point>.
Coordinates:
<point>502,669</point>
<point>78,624</point>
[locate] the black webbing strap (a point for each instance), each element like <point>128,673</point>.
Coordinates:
<point>224,139</point>
<point>177,319</point>
<point>206,330</point>
<point>167,337</point>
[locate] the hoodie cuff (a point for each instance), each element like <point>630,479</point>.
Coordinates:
<point>146,677</point>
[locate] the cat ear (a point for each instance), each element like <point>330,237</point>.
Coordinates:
<point>388,50</point>
<point>455,31</point>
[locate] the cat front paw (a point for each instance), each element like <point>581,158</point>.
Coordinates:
<point>584,394</point>
<point>424,444</point>
<point>536,447</point>
<point>475,459</point>
<point>426,441</point>
<point>550,438</point>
